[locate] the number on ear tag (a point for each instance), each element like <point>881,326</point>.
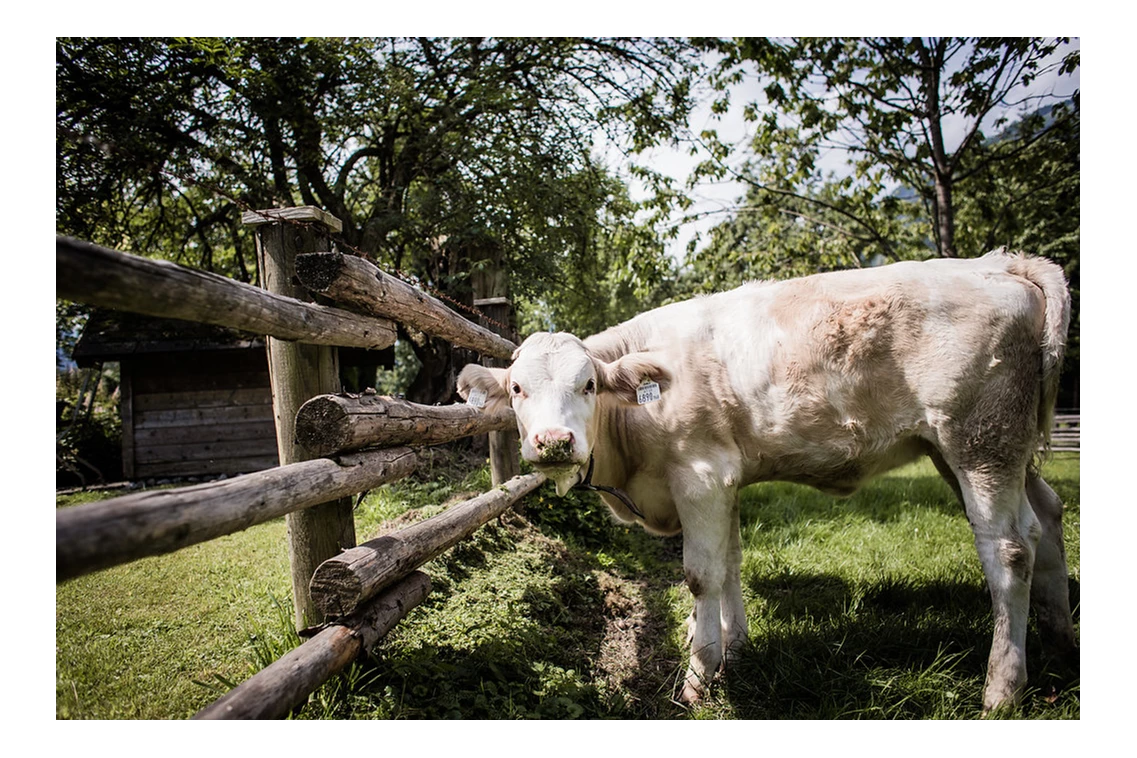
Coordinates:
<point>477,398</point>
<point>648,392</point>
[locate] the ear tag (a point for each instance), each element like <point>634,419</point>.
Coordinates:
<point>477,398</point>
<point>648,392</point>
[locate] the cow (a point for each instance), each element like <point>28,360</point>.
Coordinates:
<point>824,380</point>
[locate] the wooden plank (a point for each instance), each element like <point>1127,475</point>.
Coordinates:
<point>298,213</point>
<point>88,273</point>
<point>217,398</point>
<point>206,433</point>
<point>186,382</point>
<point>359,284</point>
<point>126,409</point>
<point>202,416</point>
<point>226,466</point>
<point>207,451</point>
<point>106,533</point>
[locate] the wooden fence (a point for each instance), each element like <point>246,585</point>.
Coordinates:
<point>1066,434</point>
<point>332,446</point>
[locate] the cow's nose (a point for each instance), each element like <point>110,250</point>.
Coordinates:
<point>553,438</point>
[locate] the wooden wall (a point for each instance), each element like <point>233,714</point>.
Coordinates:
<point>197,413</point>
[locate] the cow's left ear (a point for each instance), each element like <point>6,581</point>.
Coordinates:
<point>623,376</point>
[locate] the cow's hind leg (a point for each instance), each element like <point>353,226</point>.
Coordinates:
<point>1006,533</point>
<point>1049,589</point>
<point>734,626</point>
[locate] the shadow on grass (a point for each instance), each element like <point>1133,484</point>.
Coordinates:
<point>520,625</point>
<point>891,649</point>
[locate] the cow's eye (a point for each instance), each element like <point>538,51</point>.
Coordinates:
<point>590,387</point>
<point>516,388</point>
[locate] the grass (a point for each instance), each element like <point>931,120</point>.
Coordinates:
<point>870,607</point>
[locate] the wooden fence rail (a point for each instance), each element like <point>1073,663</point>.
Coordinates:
<point>275,690</point>
<point>331,424</point>
<point>108,278</point>
<point>341,584</point>
<point>359,284</point>
<point>123,529</point>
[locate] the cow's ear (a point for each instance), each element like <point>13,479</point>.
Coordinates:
<point>484,388</point>
<point>624,376</point>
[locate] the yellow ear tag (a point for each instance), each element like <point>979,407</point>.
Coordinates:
<point>648,392</point>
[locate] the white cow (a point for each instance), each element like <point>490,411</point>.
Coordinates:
<point>826,380</point>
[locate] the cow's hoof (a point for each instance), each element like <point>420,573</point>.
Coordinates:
<point>691,695</point>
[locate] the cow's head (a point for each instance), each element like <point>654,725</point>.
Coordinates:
<point>554,386</point>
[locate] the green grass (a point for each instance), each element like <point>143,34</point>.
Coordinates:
<point>159,638</point>
<point>868,607</point>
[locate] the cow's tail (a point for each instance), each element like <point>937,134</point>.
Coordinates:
<point>1049,278</point>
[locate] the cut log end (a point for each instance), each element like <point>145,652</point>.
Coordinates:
<point>321,426</point>
<point>335,589</point>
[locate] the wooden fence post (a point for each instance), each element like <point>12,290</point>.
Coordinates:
<point>490,282</point>
<point>297,373</point>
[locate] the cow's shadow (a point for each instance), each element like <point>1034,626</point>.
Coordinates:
<point>825,647</point>
<point>889,649</point>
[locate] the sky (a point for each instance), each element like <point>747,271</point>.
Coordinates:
<point>714,202</point>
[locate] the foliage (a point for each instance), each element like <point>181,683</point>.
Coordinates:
<point>618,272</point>
<point>907,113</point>
<point>1032,202</point>
<point>437,154</point>
<point>88,429</point>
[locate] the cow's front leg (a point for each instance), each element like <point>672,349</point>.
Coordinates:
<point>705,546</point>
<point>705,583</point>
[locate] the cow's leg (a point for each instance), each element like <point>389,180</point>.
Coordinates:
<point>1006,535</point>
<point>734,627</point>
<point>706,545</point>
<point>704,569</point>
<point>1049,589</point>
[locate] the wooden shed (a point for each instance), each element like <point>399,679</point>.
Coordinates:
<point>195,398</point>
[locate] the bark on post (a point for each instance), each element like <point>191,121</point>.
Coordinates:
<point>298,372</point>
<point>490,281</point>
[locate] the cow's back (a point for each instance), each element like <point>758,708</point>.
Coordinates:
<point>831,378</point>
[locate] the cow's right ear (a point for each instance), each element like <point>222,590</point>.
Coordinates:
<point>487,385</point>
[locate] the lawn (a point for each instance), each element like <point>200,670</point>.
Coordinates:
<point>868,607</point>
